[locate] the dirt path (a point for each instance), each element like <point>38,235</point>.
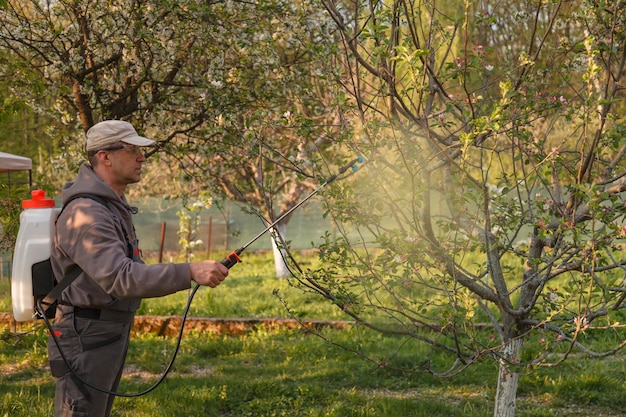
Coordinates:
<point>170,325</point>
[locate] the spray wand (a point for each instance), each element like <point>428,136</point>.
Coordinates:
<point>232,258</point>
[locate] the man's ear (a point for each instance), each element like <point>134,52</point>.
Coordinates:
<point>103,158</point>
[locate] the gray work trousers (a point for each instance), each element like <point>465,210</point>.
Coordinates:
<point>95,346</point>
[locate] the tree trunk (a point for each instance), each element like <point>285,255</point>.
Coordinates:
<point>506,392</point>
<point>282,271</point>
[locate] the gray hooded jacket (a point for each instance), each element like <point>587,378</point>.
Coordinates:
<point>97,239</point>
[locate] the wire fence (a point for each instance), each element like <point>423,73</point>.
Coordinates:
<point>220,230</point>
<point>228,227</point>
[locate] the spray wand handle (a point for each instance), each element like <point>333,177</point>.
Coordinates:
<point>232,258</point>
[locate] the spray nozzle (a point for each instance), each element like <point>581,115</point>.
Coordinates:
<point>358,160</point>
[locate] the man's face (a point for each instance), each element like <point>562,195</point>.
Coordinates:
<point>126,162</point>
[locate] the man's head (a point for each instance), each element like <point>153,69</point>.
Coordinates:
<point>116,153</point>
<point>109,133</point>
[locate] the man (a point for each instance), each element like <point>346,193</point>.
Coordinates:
<point>95,313</point>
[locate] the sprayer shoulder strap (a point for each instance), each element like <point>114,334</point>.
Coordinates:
<point>56,291</point>
<point>94,197</point>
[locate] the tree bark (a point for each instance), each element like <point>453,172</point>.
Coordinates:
<point>282,271</point>
<point>506,392</point>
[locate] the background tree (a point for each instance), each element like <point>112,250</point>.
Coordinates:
<point>20,129</point>
<point>495,143</point>
<point>226,88</point>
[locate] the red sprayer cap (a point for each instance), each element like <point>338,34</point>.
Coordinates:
<point>39,200</point>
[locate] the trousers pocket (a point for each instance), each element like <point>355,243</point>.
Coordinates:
<point>102,343</point>
<point>95,334</point>
<point>58,368</point>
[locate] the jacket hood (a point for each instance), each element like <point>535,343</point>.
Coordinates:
<point>88,182</point>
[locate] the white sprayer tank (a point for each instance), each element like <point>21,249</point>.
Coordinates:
<point>32,245</point>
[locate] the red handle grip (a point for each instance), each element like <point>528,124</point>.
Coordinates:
<point>230,260</point>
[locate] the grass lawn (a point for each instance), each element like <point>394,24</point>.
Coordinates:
<point>287,372</point>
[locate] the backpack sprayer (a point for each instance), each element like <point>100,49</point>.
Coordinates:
<point>46,217</point>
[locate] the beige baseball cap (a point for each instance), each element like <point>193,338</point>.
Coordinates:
<point>107,133</point>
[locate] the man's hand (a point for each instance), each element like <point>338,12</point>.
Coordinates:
<point>209,273</point>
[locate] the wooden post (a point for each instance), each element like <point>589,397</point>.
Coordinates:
<point>208,239</point>
<point>162,242</point>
